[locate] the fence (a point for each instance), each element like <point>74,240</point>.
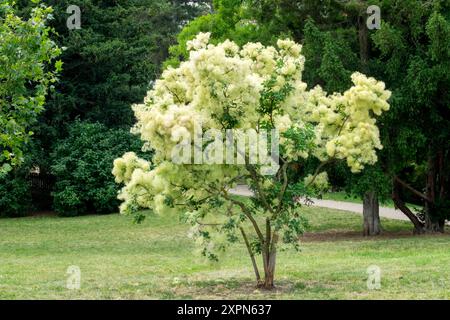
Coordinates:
<point>41,188</point>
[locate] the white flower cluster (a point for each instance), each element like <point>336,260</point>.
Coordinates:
<point>124,167</point>
<point>348,128</point>
<point>221,87</point>
<point>319,183</point>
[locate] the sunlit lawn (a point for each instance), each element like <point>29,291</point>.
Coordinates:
<point>156,260</point>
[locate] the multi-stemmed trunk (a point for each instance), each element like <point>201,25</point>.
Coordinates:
<point>269,258</point>
<point>371,213</point>
<point>435,192</point>
<point>269,261</point>
<point>269,271</point>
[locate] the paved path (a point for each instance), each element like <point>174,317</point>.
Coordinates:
<point>385,212</point>
<point>389,213</point>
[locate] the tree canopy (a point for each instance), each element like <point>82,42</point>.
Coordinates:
<point>27,71</point>
<point>225,87</point>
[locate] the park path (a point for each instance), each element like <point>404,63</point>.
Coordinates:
<point>385,212</point>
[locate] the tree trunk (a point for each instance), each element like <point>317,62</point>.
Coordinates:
<point>252,256</point>
<point>269,261</point>
<point>432,222</point>
<point>434,225</point>
<point>371,213</point>
<point>400,204</point>
<point>269,273</point>
<point>363,38</point>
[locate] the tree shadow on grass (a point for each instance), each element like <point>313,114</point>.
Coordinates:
<point>234,288</point>
<point>340,235</point>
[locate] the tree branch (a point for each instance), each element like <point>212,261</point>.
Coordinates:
<point>247,214</point>
<point>252,256</point>
<point>258,187</point>
<point>316,173</point>
<point>407,186</point>
<point>283,188</point>
<point>418,225</point>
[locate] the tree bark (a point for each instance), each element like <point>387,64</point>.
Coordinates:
<point>371,213</point>
<point>432,225</point>
<point>432,221</point>
<point>363,38</point>
<point>270,274</point>
<point>269,261</point>
<point>252,256</point>
<point>418,225</point>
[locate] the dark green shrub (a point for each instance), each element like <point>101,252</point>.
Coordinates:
<point>82,165</point>
<point>15,195</point>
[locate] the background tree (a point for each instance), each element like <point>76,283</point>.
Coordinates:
<point>27,70</point>
<point>414,58</point>
<point>109,64</point>
<point>223,88</point>
<point>373,186</point>
<point>82,164</point>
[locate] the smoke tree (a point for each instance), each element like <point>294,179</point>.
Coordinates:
<point>223,88</point>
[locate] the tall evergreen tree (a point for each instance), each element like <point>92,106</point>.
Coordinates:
<point>414,50</point>
<point>109,63</point>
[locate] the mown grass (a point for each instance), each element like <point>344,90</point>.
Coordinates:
<point>156,260</point>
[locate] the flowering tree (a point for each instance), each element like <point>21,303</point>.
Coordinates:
<point>223,88</point>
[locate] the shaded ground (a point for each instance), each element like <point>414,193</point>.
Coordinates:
<point>337,235</point>
<point>46,213</point>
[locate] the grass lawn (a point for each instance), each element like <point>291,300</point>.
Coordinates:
<point>156,260</point>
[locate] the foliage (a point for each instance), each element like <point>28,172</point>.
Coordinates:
<point>230,20</point>
<point>15,194</point>
<point>82,165</point>
<point>27,70</point>
<point>318,183</point>
<point>373,179</point>
<point>109,64</point>
<point>414,50</point>
<point>227,87</point>
<point>111,61</point>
